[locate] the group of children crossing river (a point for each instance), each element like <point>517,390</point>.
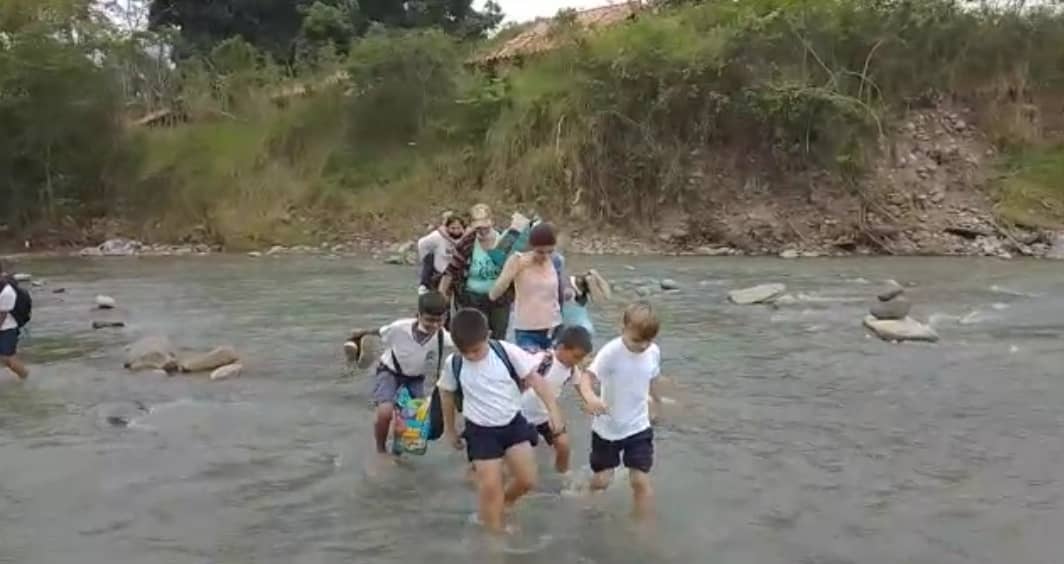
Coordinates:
<point>473,278</point>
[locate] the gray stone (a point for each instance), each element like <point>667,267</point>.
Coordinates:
<point>395,259</point>
<point>1056,249</point>
<point>151,353</point>
<point>891,291</point>
<point>897,308</point>
<point>643,291</point>
<point>108,324</point>
<point>22,277</point>
<point>765,293</point>
<point>790,254</point>
<point>217,358</point>
<point>254,254</point>
<point>907,329</point>
<point>669,284</point>
<point>228,371</point>
<point>105,302</point>
<point>120,247</point>
<point>276,249</point>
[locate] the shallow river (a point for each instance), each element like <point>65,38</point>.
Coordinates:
<point>796,438</point>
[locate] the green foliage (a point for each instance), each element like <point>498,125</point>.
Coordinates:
<point>1030,193</point>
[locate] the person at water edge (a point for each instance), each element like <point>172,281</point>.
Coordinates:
<point>539,289</point>
<point>413,348</point>
<point>627,370</point>
<point>477,262</point>
<point>435,249</point>
<point>589,287</point>
<point>9,325</point>
<point>559,367</point>
<point>491,377</point>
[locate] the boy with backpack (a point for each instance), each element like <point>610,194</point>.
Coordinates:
<point>15,307</point>
<point>413,348</point>
<point>627,370</point>
<point>488,378</point>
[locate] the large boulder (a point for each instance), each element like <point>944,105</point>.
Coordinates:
<point>1056,250</point>
<point>151,353</point>
<point>765,293</point>
<point>900,330</point>
<point>217,358</point>
<point>895,309</point>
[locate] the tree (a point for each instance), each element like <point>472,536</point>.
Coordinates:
<point>278,26</point>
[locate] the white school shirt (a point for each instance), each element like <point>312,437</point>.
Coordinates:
<point>8,297</point>
<point>439,246</point>
<point>557,376</point>
<point>625,379</point>
<point>490,397</point>
<point>415,359</point>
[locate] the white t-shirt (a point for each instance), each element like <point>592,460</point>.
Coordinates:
<point>415,359</point>
<point>557,376</point>
<point>490,397</point>
<point>625,379</point>
<point>439,246</point>
<point>7,303</point>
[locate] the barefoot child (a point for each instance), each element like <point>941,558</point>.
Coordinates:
<point>413,348</point>
<point>627,370</point>
<point>490,377</point>
<point>558,367</point>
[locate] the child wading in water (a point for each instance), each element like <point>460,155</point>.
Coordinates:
<point>627,369</point>
<point>490,377</point>
<point>413,348</point>
<point>558,367</point>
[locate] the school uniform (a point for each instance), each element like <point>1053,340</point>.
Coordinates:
<point>625,430</point>
<point>557,376</point>
<point>9,331</point>
<point>408,357</point>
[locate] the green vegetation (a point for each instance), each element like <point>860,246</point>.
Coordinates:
<point>607,127</point>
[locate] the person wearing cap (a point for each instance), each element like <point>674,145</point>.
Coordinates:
<point>435,249</point>
<point>476,263</point>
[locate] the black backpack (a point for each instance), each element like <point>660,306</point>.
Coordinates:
<point>23,310</point>
<point>436,408</point>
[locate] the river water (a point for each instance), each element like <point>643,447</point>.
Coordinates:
<point>795,439</point>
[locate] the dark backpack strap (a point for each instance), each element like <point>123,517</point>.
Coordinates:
<point>439,352</point>
<point>456,369</point>
<point>395,365</point>
<point>500,351</point>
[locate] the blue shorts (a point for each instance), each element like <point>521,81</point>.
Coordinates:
<point>491,443</point>
<point>534,341</point>
<point>638,451</point>
<point>386,384</point>
<point>9,342</point>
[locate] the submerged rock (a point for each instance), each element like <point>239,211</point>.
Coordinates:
<point>151,353</point>
<point>105,302</point>
<point>765,293</point>
<point>108,324</point>
<point>897,308</point>
<point>907,329</point>
<point>669,284</point>
<point>217,358</point>
<point>227,371</point>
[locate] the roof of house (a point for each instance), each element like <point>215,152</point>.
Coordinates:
<point>538,37</point>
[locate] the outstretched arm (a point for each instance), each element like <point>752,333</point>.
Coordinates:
<point>542,389</point>
<point>509,272</point>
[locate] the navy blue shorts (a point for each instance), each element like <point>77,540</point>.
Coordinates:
<point>491,443</point>
<point>386,384</point>
<point>9,342</point>
<point>638,451</point>
<point>534,341</point>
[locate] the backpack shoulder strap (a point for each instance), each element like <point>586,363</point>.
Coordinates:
<point>500,351</point>
<point>439,352</point>
<point>456,369</point>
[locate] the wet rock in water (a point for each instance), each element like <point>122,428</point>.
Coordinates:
<point>891,291</point>
<point>59,291</point>
<point>765,293</point>
<point>217,358</point>
<point>669,284</point>
<point>786,300</point>
<point>901,330</point>
<point>37,284</point>
<point>108,324</point>
<point>151,353</point>
<point>276,249</point>
<point>715,251</point>
<point>254,254</point>
<point>895,309</point>
<point>228,371</point>
<point>91,252</point>
<point>22,277</point>
<point>790,254</point>
<point>105,302</point>
<point>395,260</point>
<point>643,291</point>
<point>124,414</point>
<point>119,248</point>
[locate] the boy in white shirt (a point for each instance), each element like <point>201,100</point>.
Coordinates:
<point>627,369</point>
<point>413,348</point>
<point>490,377</point>
<point>559,368</point>
<point>9,326</point>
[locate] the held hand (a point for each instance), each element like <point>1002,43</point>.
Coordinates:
<point>455,441</point>
<point>518,222</point>
<point>595,406</point>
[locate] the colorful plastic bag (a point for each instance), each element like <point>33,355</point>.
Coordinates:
<point>410,424</point>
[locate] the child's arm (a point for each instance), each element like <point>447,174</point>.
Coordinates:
<point>655,399</point>
<point>448,408</point>
<point>542,389</point>
<point>592,403</point>
<point>509,272</point>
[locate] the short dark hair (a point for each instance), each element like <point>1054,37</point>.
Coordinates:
<point>543,235</point>
<point>574,337</point>
<point>432,303</point>
<point>454,218</point>
<point>469,328</point>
